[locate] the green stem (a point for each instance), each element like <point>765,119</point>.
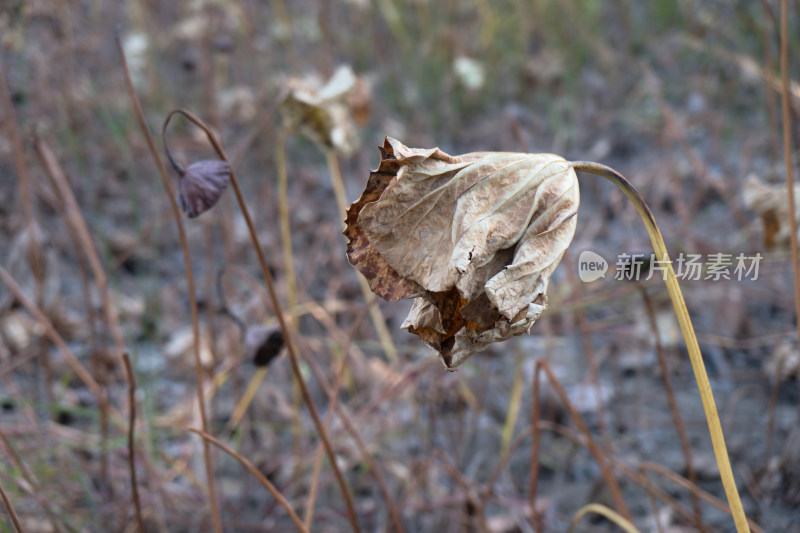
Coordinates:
<point>696,358</point>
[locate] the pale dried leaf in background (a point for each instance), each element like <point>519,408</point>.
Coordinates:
<point>325,114</point>
<point>771,203</point>
<point>473,238</point>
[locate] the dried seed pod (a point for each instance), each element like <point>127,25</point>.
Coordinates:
<point>263,344</point>
<point>474,238</point>
<point>201,185</point>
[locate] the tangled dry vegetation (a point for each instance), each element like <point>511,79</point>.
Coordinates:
<point>108,341</point>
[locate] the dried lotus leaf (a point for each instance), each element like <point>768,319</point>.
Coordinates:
<point>474,238</point>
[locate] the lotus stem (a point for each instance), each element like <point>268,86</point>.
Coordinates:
<point>685,322</point>
<point>291,282</point>
<point>294,357</point>
<point>369,297</point>
<point>187,263</point>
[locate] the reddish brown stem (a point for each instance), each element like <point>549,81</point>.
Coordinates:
<point>131,428</point>
<point>673,406</point>
<point>287,334</point>
<point>212,493</point>
<point>12,513</point>
<point>610,480</point>
<point>787,162</point>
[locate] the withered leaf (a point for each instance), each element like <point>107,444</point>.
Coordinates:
<point>474,238</point>
<point>322,113</point>
<point>771,203</point>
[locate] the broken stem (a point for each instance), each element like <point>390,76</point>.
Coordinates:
<point>682,313</point>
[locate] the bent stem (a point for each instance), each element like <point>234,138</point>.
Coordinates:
<point>187,263</point>
<point>605,512</point>
<point>294,359</point>
<point>258,475</point>
<point>696,358</point>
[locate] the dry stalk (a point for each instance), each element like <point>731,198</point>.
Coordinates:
<point>673,406</point>
<point>287,333</point>
<point>212,493</point>
<point>291,281</point>
<point>75,219</point>
<point>31,486</point>
<point>682,313</point>
<point>258,475</point>
<point>369,297</point>
<point>349,427</point>
<point>34,256</point>
<point>54,337</point>
<point>599,457</point>
<point>308,517</point>
<point>11,512</point>
<point>344,348</point>
<point>131,428</point>
<point>79,236</point>
<point>787,162</point>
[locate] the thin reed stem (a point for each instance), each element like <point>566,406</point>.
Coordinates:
<point>287,333</point>
<point>308,517</point>
<point>652,498</point>
<point>187,262</point>
<point>291,283</point>
<point>673,406</point>
<point>131,429</point>
<point>32,486</point>
<point>11,512</point>
<point>258,475</point>
<point>599,458</point>
<point>533,481</point>
<point>369,297</point>
<point>84,375</point>
<point>75,219</point>
<point>286,228</point>
<point>34,256</point>
<point>685,322</point>
<point>787,163</point>
<point>514,402</point>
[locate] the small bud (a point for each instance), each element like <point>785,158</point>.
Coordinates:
<point>263,344</point>
<point>202,185</point>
